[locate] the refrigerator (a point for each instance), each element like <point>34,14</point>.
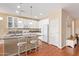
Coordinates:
<point>45,33</point>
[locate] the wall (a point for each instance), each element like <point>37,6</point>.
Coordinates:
<point>77,26</point>
<point>3,25</point>
<point>66,27</point>
<point>60,27</point>
<point>55,28</point>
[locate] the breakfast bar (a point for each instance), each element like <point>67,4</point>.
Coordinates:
<point>17,44</point>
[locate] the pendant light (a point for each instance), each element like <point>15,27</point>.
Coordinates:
<point>31,10</point>
<point>31,14</point>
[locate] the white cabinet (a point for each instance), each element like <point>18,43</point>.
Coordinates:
<point>16,22</point>
<point>20,23</point>
<point>12,22</point>
<point>30,23</point>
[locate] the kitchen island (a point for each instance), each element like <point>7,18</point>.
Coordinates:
<point>13,45</point>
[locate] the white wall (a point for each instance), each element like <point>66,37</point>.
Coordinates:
<point>77,26</point>
<point>55,28</point>
<point>60,28</point>
<point>67,27</point>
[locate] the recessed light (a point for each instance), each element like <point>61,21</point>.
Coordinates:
<point>19,21</point>
<point>18,6</point>
<point>41,13</point>
<point>17,11</point>
<point>30,23</point>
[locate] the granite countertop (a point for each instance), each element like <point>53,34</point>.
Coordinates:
<point>6,37</point>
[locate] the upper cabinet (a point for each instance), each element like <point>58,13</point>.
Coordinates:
<point>20,23</point>
<point>10,22</point>
<point>30,23</point>
<point>16,22</point>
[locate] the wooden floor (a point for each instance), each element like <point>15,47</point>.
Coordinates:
<point>50,50</point>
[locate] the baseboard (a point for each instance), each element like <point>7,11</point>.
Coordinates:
<point>44,42</point>
<point>54,45</point>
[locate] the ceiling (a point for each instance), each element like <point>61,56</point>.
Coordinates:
<point>38,8</point>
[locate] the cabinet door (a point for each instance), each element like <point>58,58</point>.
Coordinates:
<point>10,22</point>
<point>1,47</point>
<point>20,23</point>
<point>15,22</point>
<point>10,46</point>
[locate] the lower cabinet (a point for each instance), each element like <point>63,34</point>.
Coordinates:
<point>10,46</point>
<point>15,46</point>
<point>22,45</point>
<point>1,47</point>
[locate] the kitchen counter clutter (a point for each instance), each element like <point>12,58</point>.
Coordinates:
<point>72,41</point>
<point>12,45</point>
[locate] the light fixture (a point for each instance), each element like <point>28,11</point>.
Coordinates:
<point>41,14</point>
<point>30,23</point>
<point>17,11</point>
<point>18,6</point>
<point>31,10</point>
<point>19,21</point>
<point>20,10</point>
<point>1,18</point>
